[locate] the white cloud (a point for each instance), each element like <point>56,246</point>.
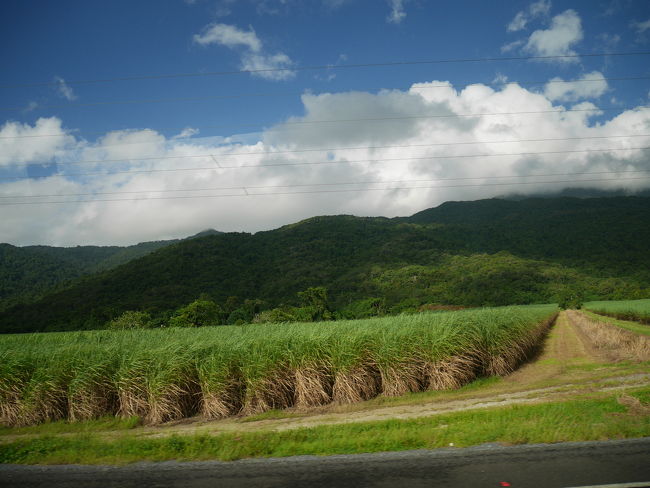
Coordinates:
<point>399,141</point>
<point>589,85</point>
<point>63,89</point>
<point>511,46</point>
<point>186,132</point>
<point>565,31</point>
<point>518,23</point>
<point>397,13</point>
<point>229,36</point>
<point>274,67</point>
<point>40,143</point>
<point>521,19</point>
<point>541,7</point>
<point>500,78</point>
<point>641,27</point>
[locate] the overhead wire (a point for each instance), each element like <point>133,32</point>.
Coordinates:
<point>306,122</point>
<point>326,67</point>
<point>295,93</point>
<point>344,161</point>
<point>249,194</point>
<point>347,183</point>
<point>329,149</point>
<point>281,127</point>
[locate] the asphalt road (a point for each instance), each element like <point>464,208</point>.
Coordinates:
<point>625,463</point>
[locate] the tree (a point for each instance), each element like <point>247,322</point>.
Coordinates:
<point>199,313</point>
<point>130,319</point>
<point>362,309</point>
<point>314,300</point>
<point>571,299</point>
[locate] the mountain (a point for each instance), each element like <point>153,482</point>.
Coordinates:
<point>29,272</point>
<point>597,233</point>
<point>486,252</point>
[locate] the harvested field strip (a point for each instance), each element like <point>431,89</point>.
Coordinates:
<point>630,325</point>
<point>636,310</point>
<point>169,374</point>
<point>614,342</point>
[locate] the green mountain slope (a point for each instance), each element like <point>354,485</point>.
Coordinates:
<point>597,233</point>
<point>488,252</point>
<point>29,272</point>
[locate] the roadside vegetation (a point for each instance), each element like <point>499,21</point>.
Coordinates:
<point>588,417</point>
<point>636,310</point>
<point>173,373</point>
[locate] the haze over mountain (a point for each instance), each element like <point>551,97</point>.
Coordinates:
<point>486,252</point>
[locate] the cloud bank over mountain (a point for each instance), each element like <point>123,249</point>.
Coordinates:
<point>391,152</point>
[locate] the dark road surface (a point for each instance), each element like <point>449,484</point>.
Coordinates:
<point>620,463</point>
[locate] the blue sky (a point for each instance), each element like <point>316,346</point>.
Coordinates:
<point>50,48</point>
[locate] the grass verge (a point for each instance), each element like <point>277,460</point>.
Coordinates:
<point>589,417</point>
<point>103,424</point>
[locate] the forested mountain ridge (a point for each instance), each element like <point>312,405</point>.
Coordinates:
<point>28,272</point>
<point>487,252</point>
<point>610,233</point>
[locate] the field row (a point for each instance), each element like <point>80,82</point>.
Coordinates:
<point>636,310</point>
<point>168,374</point>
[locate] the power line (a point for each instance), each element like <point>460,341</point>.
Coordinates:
<point>325,67</point>
<point>303,185</point>
<point>318,163</point>
<point>295,93</point>
<point>292,151</point>
<point>248,194</point>
<point>379,119</point>
<point>398,146</point>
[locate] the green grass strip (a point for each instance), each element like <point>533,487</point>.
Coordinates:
<point>623,324</point>
<point>581,419</point>
<point>636,310</point>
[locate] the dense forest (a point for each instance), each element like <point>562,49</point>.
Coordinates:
<point>29,272</point>
<point>487,252</point>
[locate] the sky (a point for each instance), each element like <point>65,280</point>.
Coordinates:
<point>123,122</point>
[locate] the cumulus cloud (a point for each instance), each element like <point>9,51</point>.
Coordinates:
<point>229,36</point>
<point>589,85</point>
<point>393,152</point>
<point>274,67</point>
<point>63,89</point>
<point>40,143</point>
<point>523,17</point>
<point>397,13</point>
<point>565,31</point>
